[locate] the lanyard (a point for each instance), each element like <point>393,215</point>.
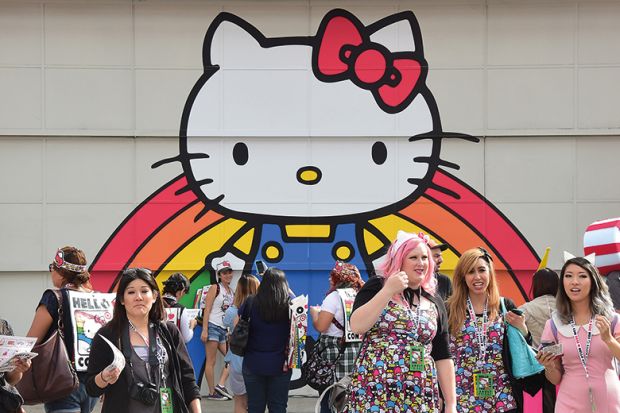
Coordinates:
<point>418,312</point>
<point>583,358</point>
<point>481,334</point>
<point>159,354</point>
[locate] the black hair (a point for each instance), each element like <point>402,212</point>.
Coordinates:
<point>544,282</point>
<point>272,296</point>
<point>600,302</point>
<point>175,283</point>
<point>156,314</point>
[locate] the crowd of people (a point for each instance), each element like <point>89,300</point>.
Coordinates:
<point>410,338</point>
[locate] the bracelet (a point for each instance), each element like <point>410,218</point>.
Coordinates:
<point>101,375</point>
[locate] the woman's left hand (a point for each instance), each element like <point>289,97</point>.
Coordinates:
<point>517,321</point>
<point>604,327</point>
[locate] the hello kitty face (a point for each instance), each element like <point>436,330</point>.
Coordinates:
<point>279,102</point>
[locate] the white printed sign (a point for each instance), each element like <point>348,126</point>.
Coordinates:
<point>347,297</point>
<point>89,312</point>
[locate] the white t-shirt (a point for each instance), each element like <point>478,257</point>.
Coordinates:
<point>333,304</point>
<point>221,303</point>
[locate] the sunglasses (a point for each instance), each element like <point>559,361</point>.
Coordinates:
<point>52,267</point>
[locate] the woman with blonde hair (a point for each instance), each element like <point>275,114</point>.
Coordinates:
<point>404,353</point>
<point>478,337</point>
<point>246,286</point>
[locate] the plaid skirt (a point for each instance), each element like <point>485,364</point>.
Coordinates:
<point>346,362</point>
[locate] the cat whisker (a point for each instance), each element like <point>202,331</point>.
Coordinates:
<point>449,192</point>
<point>166,161</point>
<point>179,158</point>
<point>444,190</point>
<point>208,206</point>
<point>440,162</point>
<point>443,135</point>
<point>189,187</point>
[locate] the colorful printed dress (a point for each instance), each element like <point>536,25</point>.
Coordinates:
<point>466,354</point>
<point>382,380</point>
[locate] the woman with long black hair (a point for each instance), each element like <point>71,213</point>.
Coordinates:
<point>265,371</point>
<point>158,372</point>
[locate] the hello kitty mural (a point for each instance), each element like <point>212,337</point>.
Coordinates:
<point>302,150</point>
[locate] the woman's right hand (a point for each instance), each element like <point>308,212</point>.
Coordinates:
<point>110,376</point>
<point>204,336</point>
<point>547,359</point>
<point>396,283</point>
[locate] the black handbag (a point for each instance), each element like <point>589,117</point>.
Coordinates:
<point>317,372</point>
<point>239,337</point>
<point>10,399</point>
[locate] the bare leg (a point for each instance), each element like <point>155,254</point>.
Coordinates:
<point>211,350</point>
<point>241,403</point>
<point>224,375</point>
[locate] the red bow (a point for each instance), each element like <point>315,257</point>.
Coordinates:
<point>346,52</point>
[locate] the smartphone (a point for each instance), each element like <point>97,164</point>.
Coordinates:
<point>517,311</point>
<point>553,348</point>
<point>260,267</point>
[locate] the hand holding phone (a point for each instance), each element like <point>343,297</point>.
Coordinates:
<point>517,311</point>
<point>553,348</point>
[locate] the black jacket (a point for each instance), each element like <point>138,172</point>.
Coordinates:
<point>184,386</point>
<point>530,385</point>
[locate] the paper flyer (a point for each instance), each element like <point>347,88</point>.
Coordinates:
<point>347,297</point>
<point>89,312</point>
<point>14,347</point>
<point>173,314</point>
<point>299,329</point>
<point>119,359</point>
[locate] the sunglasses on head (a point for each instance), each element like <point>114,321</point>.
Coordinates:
<point>52,267</point>
<point>133,272</point>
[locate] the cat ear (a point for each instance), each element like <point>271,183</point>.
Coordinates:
<point>591,258</point>
<point>398,32</point>
<point>228,25</point>
<point>568,256</point>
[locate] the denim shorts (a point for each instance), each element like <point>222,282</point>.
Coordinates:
<point>77,401</point>
<point>216,333</point>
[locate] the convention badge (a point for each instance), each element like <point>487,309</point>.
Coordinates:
<point>165,398</point>
<point>416,358</point>
<point>483,385</point>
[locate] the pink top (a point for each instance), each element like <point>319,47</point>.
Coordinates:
<point>573,395</point>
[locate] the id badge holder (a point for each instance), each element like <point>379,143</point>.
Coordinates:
<point>416,358</point>
<point>483,385</point>
<point>165,398</point>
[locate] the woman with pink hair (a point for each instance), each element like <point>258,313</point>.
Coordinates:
<point>405,350</point>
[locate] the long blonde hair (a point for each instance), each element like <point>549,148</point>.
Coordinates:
<point>457,303</point>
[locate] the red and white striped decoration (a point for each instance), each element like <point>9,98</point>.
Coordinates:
<point>603,238</point>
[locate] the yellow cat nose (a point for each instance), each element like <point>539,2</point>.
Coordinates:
<point>309,175</point>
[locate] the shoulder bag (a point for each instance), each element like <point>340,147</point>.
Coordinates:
<point>239,337</point>
<point>52,375</point>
